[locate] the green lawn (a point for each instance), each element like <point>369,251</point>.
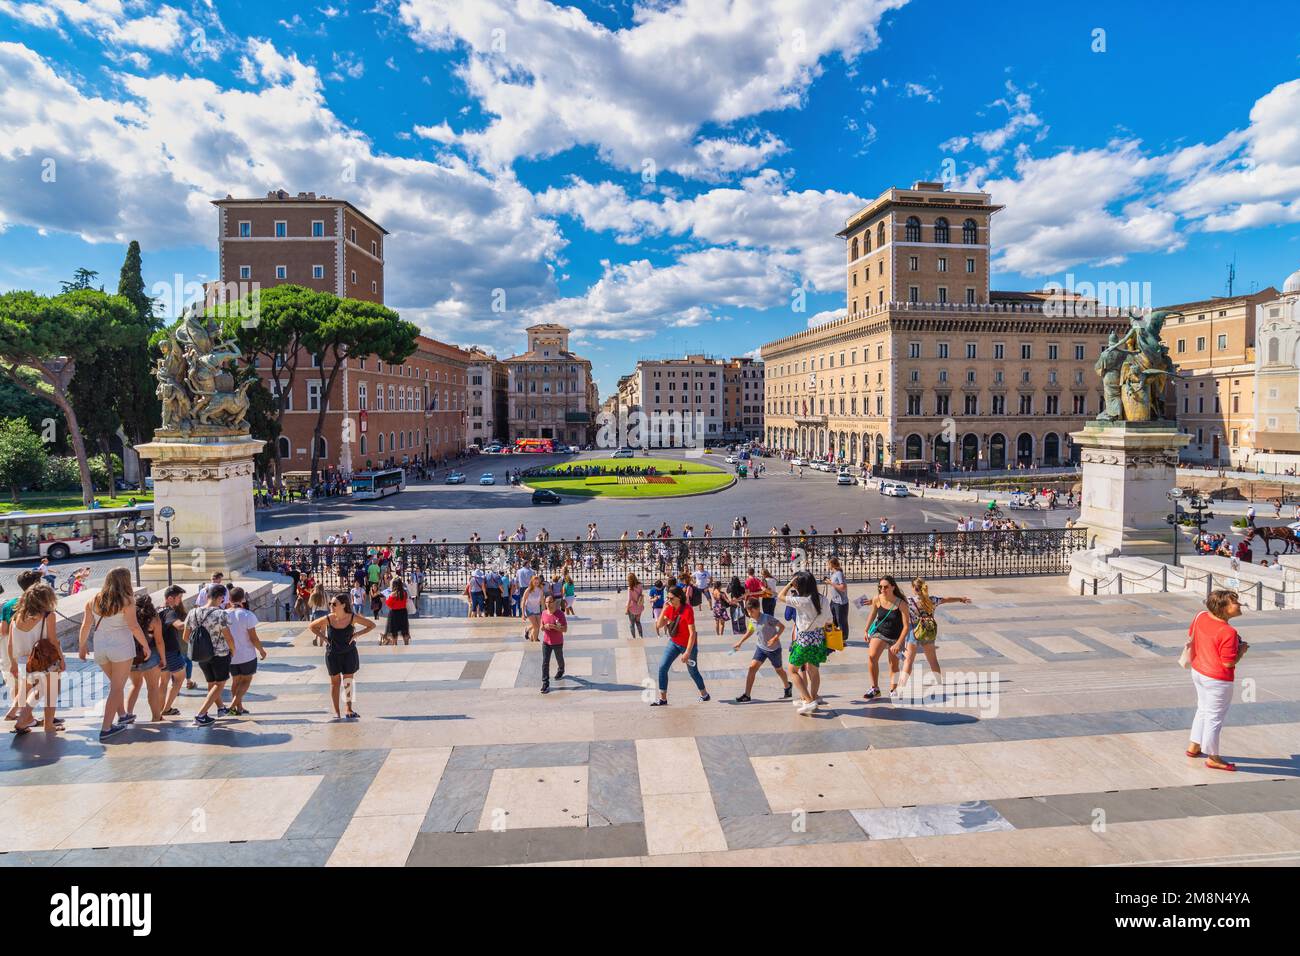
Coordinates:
<point>71,501</point>
<point>699,477</point>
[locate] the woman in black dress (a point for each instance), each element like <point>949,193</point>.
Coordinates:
<point>340,629</point>
<point>888,621</point>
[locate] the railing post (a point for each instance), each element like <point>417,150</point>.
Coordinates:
<point>1209,584</point>
<point>1120,579</point>
<point>1094,586</point>
<point>1164,578</point>
<point>1259,595</point>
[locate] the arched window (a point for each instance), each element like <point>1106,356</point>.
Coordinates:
<point>853,250</point>
<point>970,449</point>
<point>286,451</point>
<point>942,453</point>
<point>1025,449</point>
<point>998,452</point>
<point>970,233</point>
<point>363,444</point>
<point>912,449</point>
<point>912,230</point>
<point>392,443</point>
<point>866,242</point>
<point>941,230</point>
<point>322,449</point>
<point>880,235</point>
<point>1051,449</point>
<point>381,443</point>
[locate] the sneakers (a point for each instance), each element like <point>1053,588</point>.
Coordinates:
<point>871,694</point>
<point>807,707</point>
<point>115,729</point>
<point>126,721</point>
<point>821,700</point>
<point>560,676</point>
<point>789,691</point>
<point>172,712</point>
<point>743,699</point>
<point>705,698</point>
<point>222,711</point>
<point>204,720</point>
<point>546,688</point>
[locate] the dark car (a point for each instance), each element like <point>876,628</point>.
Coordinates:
<point>544,496</point>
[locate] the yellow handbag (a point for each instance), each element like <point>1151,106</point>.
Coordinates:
<point>834,639</point>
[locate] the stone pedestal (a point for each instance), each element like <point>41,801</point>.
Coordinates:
<point>1128,469</point>
<point>208,479</point>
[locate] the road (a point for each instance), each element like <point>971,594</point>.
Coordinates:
<point>437,510</point>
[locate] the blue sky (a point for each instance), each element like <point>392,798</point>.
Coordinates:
<point>660,176</point>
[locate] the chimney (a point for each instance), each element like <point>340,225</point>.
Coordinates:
<point>932,187</point>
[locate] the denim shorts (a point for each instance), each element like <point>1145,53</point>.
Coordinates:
<point>773,656</point>
<point>150,662</point>
<point>175,662</point>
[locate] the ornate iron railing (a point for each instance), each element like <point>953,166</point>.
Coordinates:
<point>604,565</point>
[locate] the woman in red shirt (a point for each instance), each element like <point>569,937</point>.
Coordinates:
<point>399,604</point>
<point>1216,648</point>
<point>678,621</point>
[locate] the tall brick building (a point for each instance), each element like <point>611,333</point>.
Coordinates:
<point>376,412</point>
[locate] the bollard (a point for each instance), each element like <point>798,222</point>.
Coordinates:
<point>1081,584</point>
<point>1094,587</point>
<point>1120,579</point>
<point>1164,578</point>
<point>1209,584</point>
<point>1259,595</point>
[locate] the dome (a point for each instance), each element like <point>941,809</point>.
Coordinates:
<point>1292,283</point>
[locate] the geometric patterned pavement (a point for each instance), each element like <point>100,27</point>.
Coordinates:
<point>1063,746</point>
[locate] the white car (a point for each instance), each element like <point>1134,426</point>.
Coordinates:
<point>893,489</point>
<point>624,453</point>
<point>843,478</point>
<point>732,460</point>
<point>798,462</point>
<point>487,479</point>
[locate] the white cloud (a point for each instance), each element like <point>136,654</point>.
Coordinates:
<point>347,66</point>
<point>798,228</point>
<point>114,22</point>
<point>442,133</point>
<point>1020,117</point>
<point>551,78</point>
<point>146,166</point>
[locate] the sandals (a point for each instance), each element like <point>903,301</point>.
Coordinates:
<point>1198,753</point>
<point>1229,767</point>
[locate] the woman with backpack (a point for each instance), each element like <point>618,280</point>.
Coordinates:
<point>925,629</point>
<point>109,623</point>
<point>339,630</point>
<point>399,606</point>
<point>531,604</point>
<point>148,671</point>
<point>887,622</point>
<point>33,648</point>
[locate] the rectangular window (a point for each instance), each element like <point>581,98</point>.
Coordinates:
<point>943,264</point>
<point>245,229</point>
<point>1051,353</point>
<point>943,350</point>
<point>313,396</point>
<point>970,265</point>
<point>970,350</point>
<point>354,276</point>
<point>914,404</point>
<point>913,293</point>
<point>999,350</point>
<point>245,272</point>
<point>999,404</point>
<point>1223,342</point>
<point>1026,352</point>
<point>1181,346</point>
<point>1200,343</point>
<point>281,272</point>
<point>970,296</point>
<point>318,227</point>
<point>941,404</point>
<point>318,272</point>
<point>913,263</point>
<point>914,350</point>
<point>352,235</point>
<point>943,293</point>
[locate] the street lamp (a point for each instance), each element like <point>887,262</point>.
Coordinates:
<point>167,513</point>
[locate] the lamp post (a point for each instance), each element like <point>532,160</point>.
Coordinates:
<point>167,513</point>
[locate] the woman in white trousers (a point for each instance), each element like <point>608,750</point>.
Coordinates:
<point>1215,648</point>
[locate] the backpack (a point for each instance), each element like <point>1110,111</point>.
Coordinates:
<point>694,595</point>
<point>201,647</point>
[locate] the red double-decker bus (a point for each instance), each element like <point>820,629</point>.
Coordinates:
<point>535,446</point>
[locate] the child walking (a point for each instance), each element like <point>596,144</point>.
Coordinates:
<point>554,624</point>
<point>767,632</point>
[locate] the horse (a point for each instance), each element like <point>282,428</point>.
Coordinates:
<point>1275,533</point>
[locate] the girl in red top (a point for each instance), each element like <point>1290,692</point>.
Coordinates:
<point>678,622</point>
<point>1216,648</point>
<point>399,604</point>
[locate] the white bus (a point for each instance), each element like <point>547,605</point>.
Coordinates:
<point>378,484</point>
<point>60,534</point>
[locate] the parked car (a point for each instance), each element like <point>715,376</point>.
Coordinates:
<point>624,453</point>
<point>798,462</point>
<point>488,479</point>
<point>893,489</point>
<point>843,478</point>
<point>456,478</point>
<point>545,496</point>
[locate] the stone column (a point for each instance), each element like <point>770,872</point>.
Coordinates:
<point>209,481</point>
<point>1128,470</point>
